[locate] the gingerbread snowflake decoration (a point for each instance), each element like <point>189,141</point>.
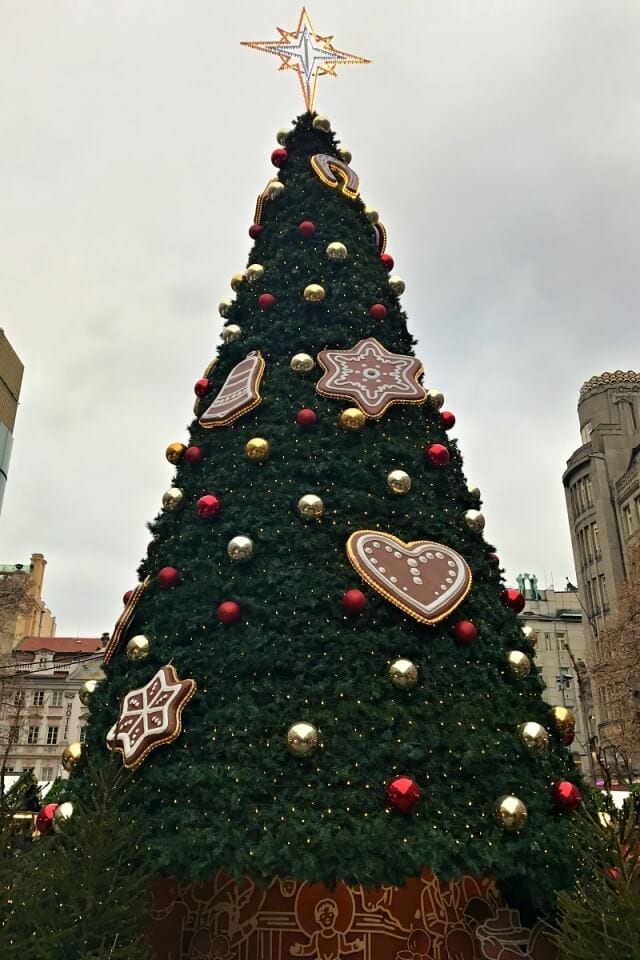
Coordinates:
<point>150,716</point>
<point>370,376</point>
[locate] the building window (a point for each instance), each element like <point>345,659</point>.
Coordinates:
<point>627,517</point>
<point>588,490</point>
<point>52,735</point>
<point>586,431</point>
<point>596,538</point>
<point>547,641</point>
<point>83,735</point>
<point>38,698</point>
<point>18,698</point>
<point>56,698</point>
<point>33,734</point>
<point>604,593</point>
<point>14,734</point>
<point>47,773</point>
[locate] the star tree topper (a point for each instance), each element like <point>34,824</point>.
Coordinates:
<point>307,54</point>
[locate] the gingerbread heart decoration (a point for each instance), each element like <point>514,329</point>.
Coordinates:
<point>426,580</point>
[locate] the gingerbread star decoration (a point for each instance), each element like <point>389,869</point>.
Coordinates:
<point>370,376</point>
<point>150,716</point>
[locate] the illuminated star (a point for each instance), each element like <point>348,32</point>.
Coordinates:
<point>307,54</point>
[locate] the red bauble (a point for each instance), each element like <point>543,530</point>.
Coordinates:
<point>387,261</point>
<point>437,455</point>
<point>513,598</point>
<point>201,386</point>
<point>44,820</point>
<point>194,455</point>
<point>403,793</point>
<point>208,507</point>
<point>354,602</point>
<point>494,559</point>
<point>266,301</point>
<point>465,632</point>
<point>566,795</point>
<point>152,546</point>
<point>168,577</point>
<point>447,419</point>
<point>307,228</point>
<point>377,311</point>
<point>569,738</point>
<point>279,157</point>
<point>255,230</point>
<point>228,612</point>
<point>127,596</point>
<point>306,417</point>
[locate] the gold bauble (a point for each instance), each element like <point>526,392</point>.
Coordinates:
<point>138,648</point>
<point>511,813</point>
<point>237,280</point>
<point>435,398</point>
<point>310,506</point>
<point>257,448</point>
<point>240,548</point>
<point>314,293</point>
<point>519,664</point>
<point>172,498</point>
<point>302,363</point>
<point>606,820</point>
<point>225,307</point>
<point>475,519</point>
<point>255,271</point>
<point>563,720</point>
<point>371,214</point>
<point>474,491</point>
<point>64,812</point>
<point>399,481</point>
<point>282,134</point>
<point>530,634</point>
<point>534,736</point>
<point>86,691</point>
<point>403,674</point>
<point>302,739</point>
<point>322,123</point>
<point>337,251</point>
<point>231,332</point>
<point>72,757</point>
<point>344,154</point>
<point>352,419</point>
<point>397,285</point>
<point>175,452</point>
<point>274,189</point>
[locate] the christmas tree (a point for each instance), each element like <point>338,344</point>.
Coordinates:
<point>320,678</point>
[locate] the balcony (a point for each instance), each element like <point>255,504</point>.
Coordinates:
<point>627,481</point>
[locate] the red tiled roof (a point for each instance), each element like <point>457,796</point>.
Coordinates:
<point>61,644</point>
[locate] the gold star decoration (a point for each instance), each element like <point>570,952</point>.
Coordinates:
<point>308,54</point>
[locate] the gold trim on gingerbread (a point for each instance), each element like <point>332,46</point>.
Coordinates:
<point>187,694</point>
<point>392,598</point>
<point>124,620</point>
<point>381,236</point>
<point>336,174</point>
<point>254,402</point>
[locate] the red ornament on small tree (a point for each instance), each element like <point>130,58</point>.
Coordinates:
<point>465,632</point>
<point>279,157</point>
<point>255,230</point>
<point>228,612</point>
<point>513,599</point>
<point>127,596</point>
<point>306,418</point>
<point>403,793</point>
<point>569,738</point>
<point>354,602</point>
<point>378,311</point>
<point>566,795</point>
<point>447,419</point>
<point>44,820</point>
<point>266,301</point>
<point>437,455</point>
<point>208,507</point>
<point>494,559</point>
<point>307,228</point>
<point>200,387</point>
<point>168,577</point>
<point>194,455</point>
<point>387,261</point>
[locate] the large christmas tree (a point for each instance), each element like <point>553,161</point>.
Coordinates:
<point>320,676</point>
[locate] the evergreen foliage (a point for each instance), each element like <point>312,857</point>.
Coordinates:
<point>227,793</point>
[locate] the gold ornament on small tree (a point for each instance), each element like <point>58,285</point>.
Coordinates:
<point>403,674</point>
<point>240,548</point>
<point>563,720</point>
<point>352,419</point>
<point>511,813</point>
<point>64,812</point>
<point>87,690</point>
<point>237,280</point>
<point>530,634</point>
<point>138,648</point>
<point>175,452</point>
<point>314,293</point>
<point>310,506</point>
<point>225,307</point>
<point>257,448</point>
<point>534,736</point>
<point>397,285</point>
<point>337,251</point>
<point>302,363</point>
<point>474,491</point>
<point>475,520</point>
<point>72,756</point>
<point>435,398</point>
<point>231,332</point>
<point>519,664</point>
<point>255,271</point>
<point>399,481</point>
<point>172,498</point>
<point>322,123</point>
<point>302,739</point>
<point>282,134</point>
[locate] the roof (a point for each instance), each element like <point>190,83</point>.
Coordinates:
<point>61,644</point>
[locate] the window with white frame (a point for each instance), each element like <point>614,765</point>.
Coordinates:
<point>33,734</point>
<point>38,698</point>
<point>56,698</point>
<point>47,773</point>
<point>52,735</point>
<point>627,517</point>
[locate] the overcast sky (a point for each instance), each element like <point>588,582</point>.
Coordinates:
<point>500,140</point>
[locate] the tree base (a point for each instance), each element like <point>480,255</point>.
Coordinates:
<point>424,920</point>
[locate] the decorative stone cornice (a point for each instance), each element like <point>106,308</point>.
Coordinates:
<point>605,381</point>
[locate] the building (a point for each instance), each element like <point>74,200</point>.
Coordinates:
<point>11,370</point>
<point>558,633</point>
<point>602,492</point>
<point>23,612</point>
<point>46,713</point>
